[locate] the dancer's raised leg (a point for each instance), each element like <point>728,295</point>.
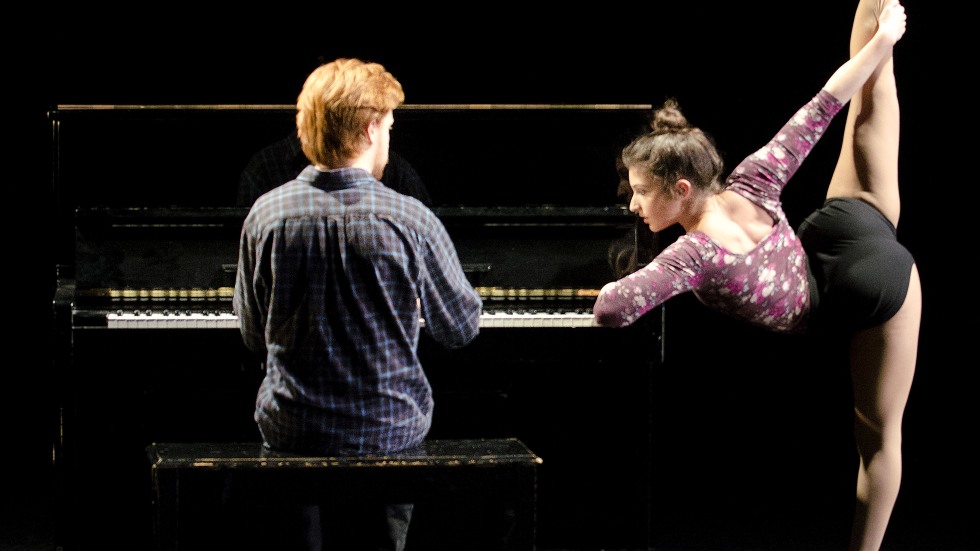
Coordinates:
<point>882,358</point>
<point>868,162</point>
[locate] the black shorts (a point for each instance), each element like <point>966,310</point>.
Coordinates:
<point>859,272</point>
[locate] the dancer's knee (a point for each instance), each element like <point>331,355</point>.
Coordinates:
<point>873,434</point>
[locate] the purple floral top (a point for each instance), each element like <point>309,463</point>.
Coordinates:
<point>767,286</point>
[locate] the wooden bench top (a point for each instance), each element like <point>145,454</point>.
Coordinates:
<point>253,455</point>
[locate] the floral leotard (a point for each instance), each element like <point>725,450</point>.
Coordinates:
<point>767,286</point>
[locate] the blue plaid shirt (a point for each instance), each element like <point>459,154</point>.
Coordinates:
<point>333,270</point>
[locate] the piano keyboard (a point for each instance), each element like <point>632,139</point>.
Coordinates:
<point>547,319</point>
<point>170,320</point>
<point>224,320</point>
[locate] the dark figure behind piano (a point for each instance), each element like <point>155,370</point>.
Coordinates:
<point>283,160</point>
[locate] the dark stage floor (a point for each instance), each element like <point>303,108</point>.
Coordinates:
<point>27,524</point>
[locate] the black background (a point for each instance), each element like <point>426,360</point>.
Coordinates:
<point>740,423</point>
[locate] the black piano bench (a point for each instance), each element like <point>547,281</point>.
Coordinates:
<point>198,490</point>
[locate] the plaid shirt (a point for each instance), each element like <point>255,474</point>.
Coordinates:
<point>333,269</point>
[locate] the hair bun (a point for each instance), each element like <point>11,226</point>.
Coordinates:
<point>668,118</point>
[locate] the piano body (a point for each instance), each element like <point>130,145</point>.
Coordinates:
<point>149,350</point>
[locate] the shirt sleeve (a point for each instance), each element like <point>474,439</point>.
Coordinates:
<point>450,305</point>
<point>677,269</point>
<point>249,285</point>
<point>763,175</point>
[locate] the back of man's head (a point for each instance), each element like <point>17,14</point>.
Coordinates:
<point>339,99</point>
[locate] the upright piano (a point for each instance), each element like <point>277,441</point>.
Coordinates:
<point>148,347</point>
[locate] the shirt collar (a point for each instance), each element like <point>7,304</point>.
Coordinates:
<point>338,178</point>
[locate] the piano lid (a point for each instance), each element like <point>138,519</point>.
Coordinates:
<point>137,156</point>
<point>523,170</point>
<point>471,155</point>
<point>518,155</point>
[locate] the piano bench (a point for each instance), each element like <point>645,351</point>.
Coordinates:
<point>190,487</point>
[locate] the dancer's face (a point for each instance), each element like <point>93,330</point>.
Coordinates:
<point>658,208</point>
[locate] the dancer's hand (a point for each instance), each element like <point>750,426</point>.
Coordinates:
<point>891,21</point>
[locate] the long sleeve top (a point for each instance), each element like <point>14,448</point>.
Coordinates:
<point>767,286</point>
<point>335,273</point>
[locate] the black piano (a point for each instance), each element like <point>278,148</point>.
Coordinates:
<point>148,349</point>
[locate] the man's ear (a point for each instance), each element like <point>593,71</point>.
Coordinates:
<point>372,130</point>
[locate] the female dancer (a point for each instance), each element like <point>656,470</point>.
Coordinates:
<point>843,271</point>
